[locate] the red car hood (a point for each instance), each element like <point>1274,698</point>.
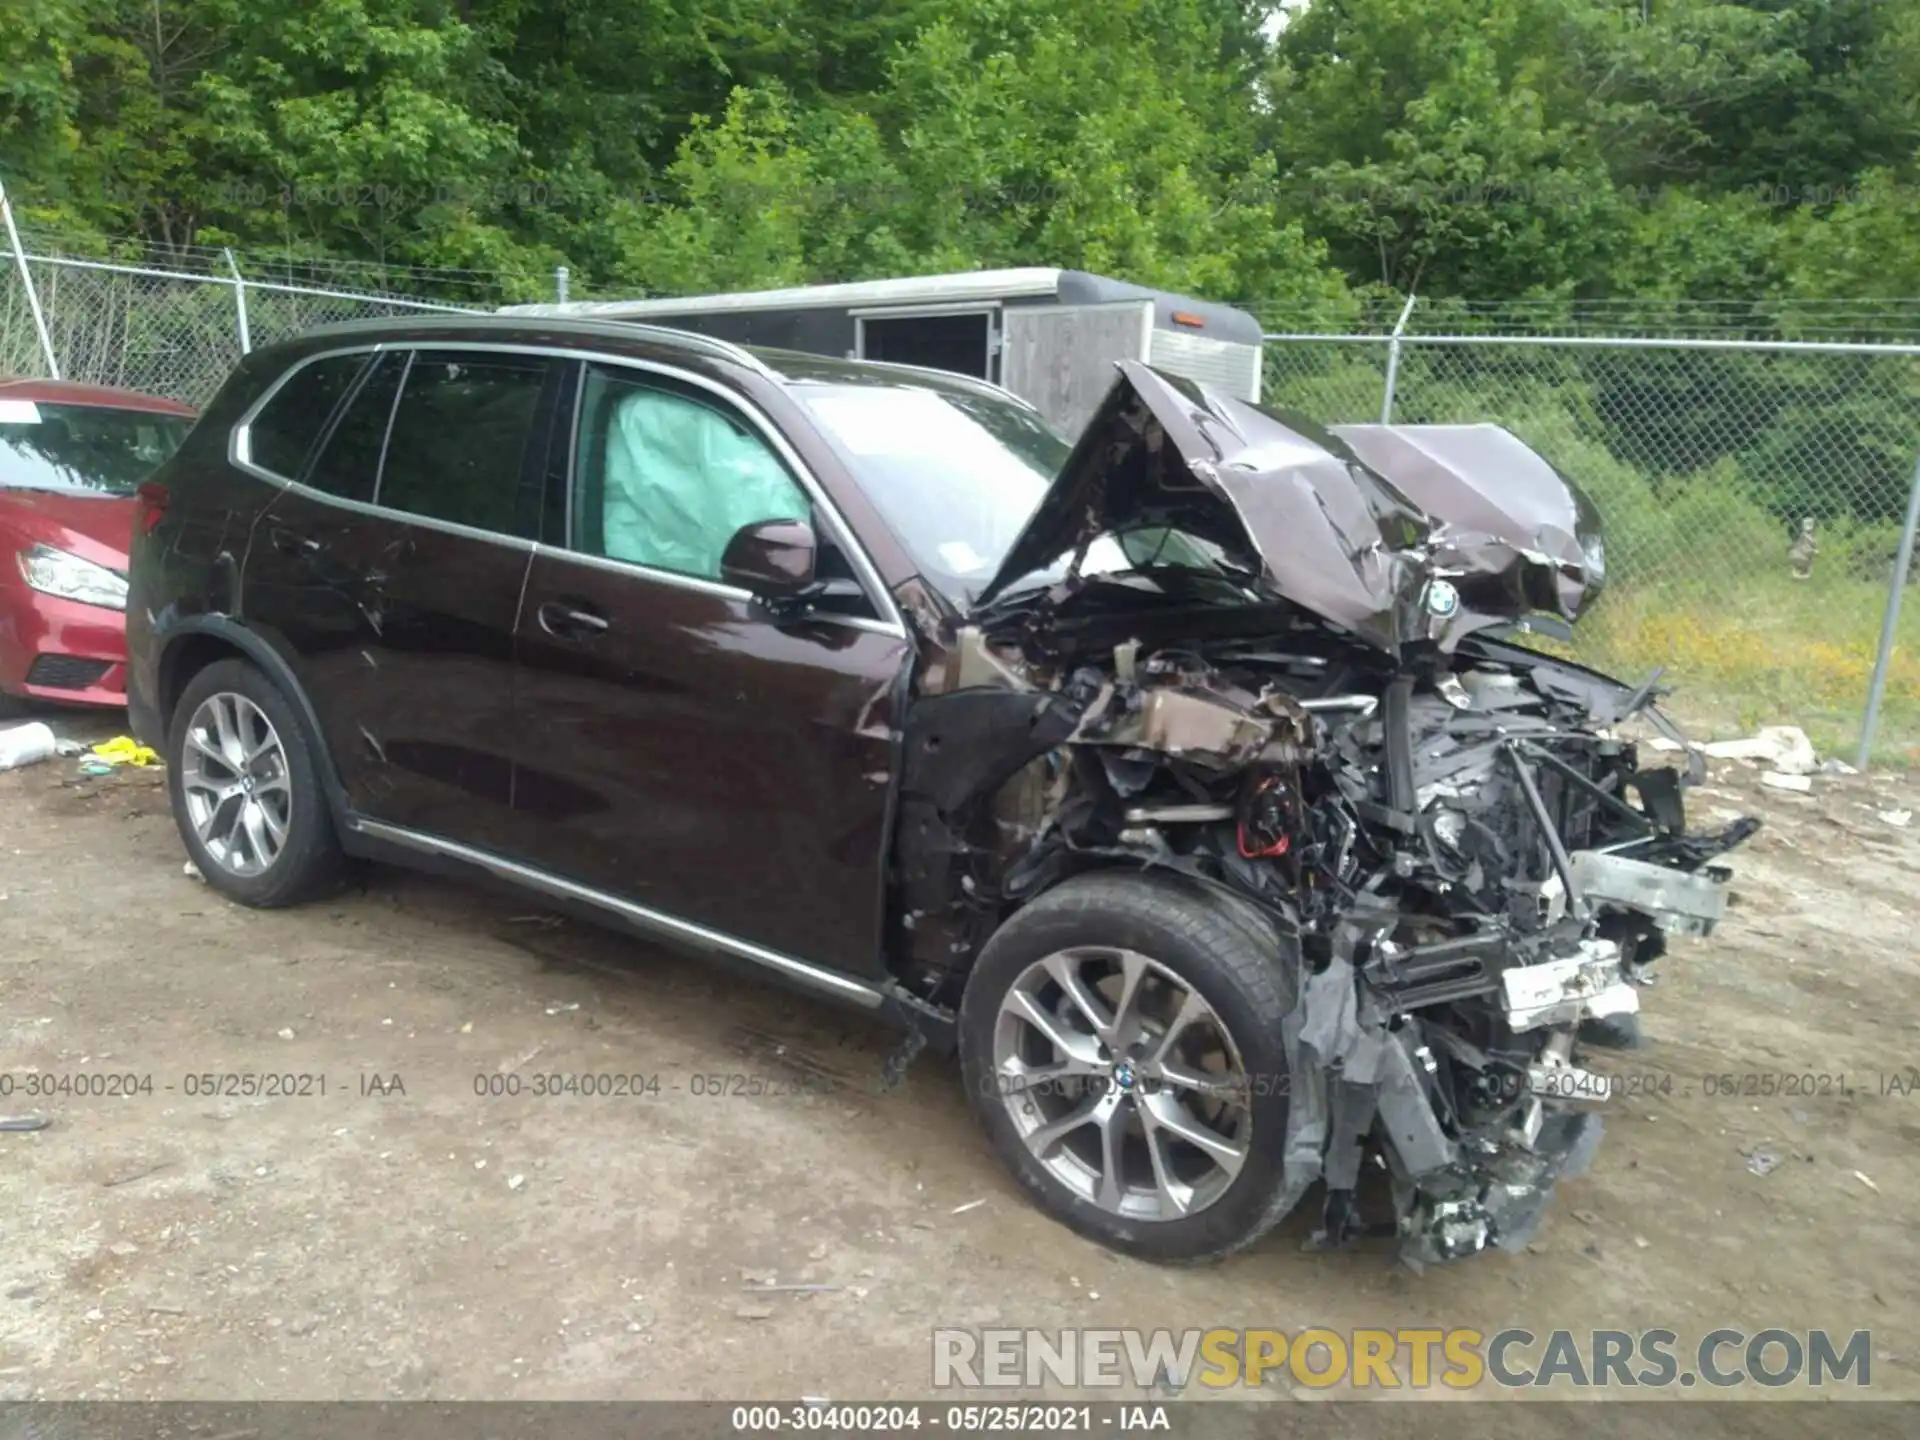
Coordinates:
<point>94,527</point>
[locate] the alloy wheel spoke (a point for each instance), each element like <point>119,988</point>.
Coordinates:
<point>1017,1077</point>
<point>1065,970</point>
<point>226,723</point>
<point>1043,1140</point>
<point>198,742</point>
<point>1126,1010</point>
<point>1203,1082</point>
<point>1177,1195</point>
<point>1171,1116</point>
<point>276,826</point>
<point>1192,1010</point>
<point>258,841</point>
<point>1066,1042</point>
<point>1111,1116</point>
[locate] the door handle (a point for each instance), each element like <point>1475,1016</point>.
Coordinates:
<point>569,622</point>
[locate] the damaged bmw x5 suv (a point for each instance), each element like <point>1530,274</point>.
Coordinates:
<point>1189,780</point>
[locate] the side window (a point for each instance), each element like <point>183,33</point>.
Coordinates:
<point>457,448</point>
<point>664,479</point>
<point>349,460</point>
<point>286,427</point>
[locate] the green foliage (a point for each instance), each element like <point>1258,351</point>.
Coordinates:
<point>1723,149</point>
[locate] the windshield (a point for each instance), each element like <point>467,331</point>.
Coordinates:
<point>83,448</point>
<point>958,475</point>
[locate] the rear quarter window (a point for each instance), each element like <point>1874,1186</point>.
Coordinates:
<point>287,426</point>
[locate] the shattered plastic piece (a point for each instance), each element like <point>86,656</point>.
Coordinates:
<point>1897,818</point>
<point>1762,1161</point>
<point>23,1124</point>
<point>1866,1180</point>
<point>1784,747</point>
<point>970,1205</point>
<point>1779,780</point>
<point>22,745</point>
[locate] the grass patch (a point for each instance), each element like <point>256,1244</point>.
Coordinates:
<point>1773,652</point>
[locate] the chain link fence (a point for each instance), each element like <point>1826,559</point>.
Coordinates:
<point>1753,462</point>
<point>174,330</point>
<point>1753,470</point>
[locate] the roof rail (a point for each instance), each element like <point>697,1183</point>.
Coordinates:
<point>694,340</point>
<point>979,383</point>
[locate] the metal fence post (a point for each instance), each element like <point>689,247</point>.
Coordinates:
<point>1393,360</point>
<point>26,279</point>
<point>1877,690</point>
<point>560,284</point>
<point>239,303</point>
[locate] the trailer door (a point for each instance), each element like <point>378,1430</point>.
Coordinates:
<point>1061,357</point>
<point>938,338</point>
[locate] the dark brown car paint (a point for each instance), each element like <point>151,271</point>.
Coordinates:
<point>695,757</point>
<point>699,759</point>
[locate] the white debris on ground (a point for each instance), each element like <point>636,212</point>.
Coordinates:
<point>22,745</point>
<point>1785,749</point>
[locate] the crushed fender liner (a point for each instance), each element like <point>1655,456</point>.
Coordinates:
<point>1298,685</point>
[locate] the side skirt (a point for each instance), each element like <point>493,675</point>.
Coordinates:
<point>416,848</point>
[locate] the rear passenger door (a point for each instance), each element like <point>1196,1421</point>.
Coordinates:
<point>394,569</point>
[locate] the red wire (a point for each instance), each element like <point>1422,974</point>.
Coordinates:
<point>1278,847</point>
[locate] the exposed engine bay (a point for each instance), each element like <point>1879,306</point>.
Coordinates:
<point>1462,862</point>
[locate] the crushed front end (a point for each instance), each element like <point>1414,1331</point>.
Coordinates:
<point>1468,867</point>
<point>1320,714</point>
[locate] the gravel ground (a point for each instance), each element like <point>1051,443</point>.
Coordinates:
<point>405,1236</point>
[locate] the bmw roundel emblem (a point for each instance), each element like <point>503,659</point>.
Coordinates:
<point>1442,598</point>
<point>1123,1075</point>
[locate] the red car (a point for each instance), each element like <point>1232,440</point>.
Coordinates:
<point>71,458</point>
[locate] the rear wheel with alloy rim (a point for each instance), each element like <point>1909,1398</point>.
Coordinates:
<point>1120,1041</point>
<point>245,790</point>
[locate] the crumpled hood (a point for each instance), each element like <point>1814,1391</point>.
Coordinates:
<point>1396,533</point>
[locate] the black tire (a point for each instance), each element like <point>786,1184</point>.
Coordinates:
<point>1239,964</point>
<point>310,860</point>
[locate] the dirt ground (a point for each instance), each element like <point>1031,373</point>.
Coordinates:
<point>438,1243</point>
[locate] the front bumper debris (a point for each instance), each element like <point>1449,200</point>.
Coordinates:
<point>1682,903</point>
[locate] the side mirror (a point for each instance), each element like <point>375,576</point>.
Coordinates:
<point>770,559</point>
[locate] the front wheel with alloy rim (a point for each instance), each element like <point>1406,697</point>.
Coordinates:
<point>246,795</point>
<point>1120,1043</point>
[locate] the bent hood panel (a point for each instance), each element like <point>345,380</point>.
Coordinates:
<point>1353,523</point>
<point>1285,501</point>
<point>1511,518</point>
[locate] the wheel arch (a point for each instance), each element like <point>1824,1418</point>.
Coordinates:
<point>206,640</point>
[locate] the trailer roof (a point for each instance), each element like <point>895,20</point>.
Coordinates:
<point>985,286</point>
<point>980,285</point>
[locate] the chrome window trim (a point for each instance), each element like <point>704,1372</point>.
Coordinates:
<point>240,438</point>
<point>890,623</point>
<point>829,982</point>
<point>706,587</point>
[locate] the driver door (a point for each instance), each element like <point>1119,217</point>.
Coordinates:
<point>678,750</point>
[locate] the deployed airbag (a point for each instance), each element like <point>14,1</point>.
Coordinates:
<point>681,478</point>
